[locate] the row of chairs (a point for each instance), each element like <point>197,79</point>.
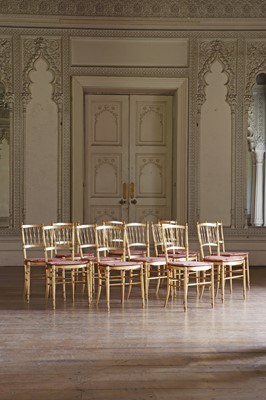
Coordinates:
<point>118,254</point>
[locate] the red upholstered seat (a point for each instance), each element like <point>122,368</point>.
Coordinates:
<point>61,262</point>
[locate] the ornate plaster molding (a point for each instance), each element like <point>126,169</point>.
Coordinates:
<point>6,71</point>
<point>225,52</point>
<point>50,50</point>
<point>6,132</point>
<point>4,135</point>
<point>136,8</point>
<point>255,63</point>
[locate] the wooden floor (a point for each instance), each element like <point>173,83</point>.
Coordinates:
<point>81,353</point>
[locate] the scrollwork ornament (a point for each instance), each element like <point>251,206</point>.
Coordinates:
<point>6,69</point>
<point>50,51</point>
<point>4,135</point>
<point>255,63</point>
<point>259,144</point>
<point>225,53</point>
<point>248,99</point>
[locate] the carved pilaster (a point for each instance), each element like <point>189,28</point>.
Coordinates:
<point>6,117</point>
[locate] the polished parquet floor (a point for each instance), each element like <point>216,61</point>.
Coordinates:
<point>156,353</point>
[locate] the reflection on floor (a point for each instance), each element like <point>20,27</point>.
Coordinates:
<point>77,352</point>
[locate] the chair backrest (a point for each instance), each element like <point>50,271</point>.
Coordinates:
<point>61,223</point>
<point>221,236</point>
<point>156,230</point>
<point>65,240</point>
<point>110,238</point>
<point>119,223</point>
<point>137,237</point>
<point>32,239</point>
<point>60,240</point>
<point>49,241</point>
<point>167,222</point>
<point>86,240</point>
<point>175,239</point>
<point>208,238</point>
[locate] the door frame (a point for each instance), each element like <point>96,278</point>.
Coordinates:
<point>177,87</point>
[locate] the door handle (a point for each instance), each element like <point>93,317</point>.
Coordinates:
<point>132,190</point>
<point>134,201</point>
<point>125,195</point>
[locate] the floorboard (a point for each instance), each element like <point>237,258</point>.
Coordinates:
<point>87,353</point>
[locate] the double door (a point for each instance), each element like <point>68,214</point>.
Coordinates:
<point>128,158</point>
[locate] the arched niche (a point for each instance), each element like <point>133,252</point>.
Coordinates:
<point>256,148</point>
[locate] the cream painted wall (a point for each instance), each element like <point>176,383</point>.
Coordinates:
<point>129,52</point>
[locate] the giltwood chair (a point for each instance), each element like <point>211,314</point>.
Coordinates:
<point>86,246</point>
<point>66,244</point>
<point>156,230</point>
<point>227,267</point>
<point>86,241</point>
<point>225,253</point>
<point>184,273</point>
<point>117,250</point>
<point>60,268</point>
<point>159,246</point>
<point>114,272</point>
<point>33,254</point>
<point>137,239</point>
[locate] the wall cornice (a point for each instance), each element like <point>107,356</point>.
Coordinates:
<point>135,8</point>
<point>127,22</point>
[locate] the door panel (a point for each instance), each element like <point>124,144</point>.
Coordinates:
<point>106,149</point>
<point>150,156</point>
<point>128,157</point>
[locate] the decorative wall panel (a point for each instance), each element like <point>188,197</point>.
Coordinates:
<point>106,170</point>
<point>150,214</point>
<point>42,116</point>
<point>150,132</point>
<point>216,125</point>
<point>225,52</point>
<point>129,52</point>
<point>106,115</point>
<point>150,176</point>
<point>50,51</point>
<point>110,213</point>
